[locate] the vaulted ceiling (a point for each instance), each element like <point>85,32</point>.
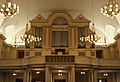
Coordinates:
<point>15,27</point>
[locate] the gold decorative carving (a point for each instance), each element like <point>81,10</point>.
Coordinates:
<point>81,18</point>
<point>56,14</point>
<point>38,19</point>
<point>60,13</point>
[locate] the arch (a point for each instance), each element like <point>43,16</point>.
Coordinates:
<point>60,21</point>
<point>57,14</point>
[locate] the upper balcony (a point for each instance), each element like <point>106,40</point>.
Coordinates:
<point>40,60</point>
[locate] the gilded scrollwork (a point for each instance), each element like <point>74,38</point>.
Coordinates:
<point>39,18</point>
<point>81,18</point>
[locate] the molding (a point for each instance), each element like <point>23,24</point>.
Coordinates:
<point>80,19</point>
<point>2,36</point>
<point>117,36</point>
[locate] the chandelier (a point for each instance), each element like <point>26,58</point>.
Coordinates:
<point>92,38</point>
<point>37,39</point>
<point>27,37</point>
<point>9,9</point>
<point>111,9</point>
<point>30,38</point>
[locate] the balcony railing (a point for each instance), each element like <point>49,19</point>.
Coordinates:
<point>83,60</point>
<point>60,58</point>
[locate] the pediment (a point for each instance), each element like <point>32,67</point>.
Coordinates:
<point>82,18</point>
<point>39,18</point>
<point>79,19</point>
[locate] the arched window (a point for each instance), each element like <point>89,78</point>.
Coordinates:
<point>60,21</point>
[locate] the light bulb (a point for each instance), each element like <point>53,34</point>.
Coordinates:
<point>110,9</point>
<point>14,74</point>
<point>105,7</point>
<point>14,6</point>
<point>3,5</point>
<point>9,13</point>
<point>37,72</point>
<point>18,9</point>
<point>110,5</point>
<point>104,14</point>
<point>2,14</point>
<point>40,38</point>
<point>15,13</point>
<point>101,9</point>
<point>7,9</point>
<point>116,9</point>
<point>1,9</point>
<point>105,11</point>
<point>116,5</point>
<point>9,4</point>
<point>113,12</point>
<point>11,16</point>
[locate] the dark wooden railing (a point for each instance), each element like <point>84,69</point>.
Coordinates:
<point>60,58</point>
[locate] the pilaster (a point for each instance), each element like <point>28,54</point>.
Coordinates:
<point>27,77</point>
<point>47,75</point>
<point>44,37</point>
<point>86,34</point>
<point>76,37</point>
<point>2,77</point>
<point>93,75</point>
<point>72,74</point>
<point>49,40</point>
<point>70,37</point>
<point>32,44</point>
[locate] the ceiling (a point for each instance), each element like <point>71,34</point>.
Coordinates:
<point>15,27</point>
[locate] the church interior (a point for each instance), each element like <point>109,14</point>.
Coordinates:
<point>59,41</point>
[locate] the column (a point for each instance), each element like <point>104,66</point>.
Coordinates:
<point>72,74</point>
<point>93,75</point>
<point>118,77</point>
<point>70,37</point>
<point>89,76</point>
<point>49,39</point>
<point>2,76</point>
<point>86,33</point>
<point>47,74</point>
<point>27,77</point>
<point>44,37</point>
<point>1,52</point>
<point>69,76</point>
<point>76,37</point>
<point>114,75</point>
<point>33,33</point>
<point>118,45</point>
<point>73,38</point>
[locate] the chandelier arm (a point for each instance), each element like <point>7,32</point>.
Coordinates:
<point>8,0</point>
<point>110,1</point>
<point>92,11</point>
